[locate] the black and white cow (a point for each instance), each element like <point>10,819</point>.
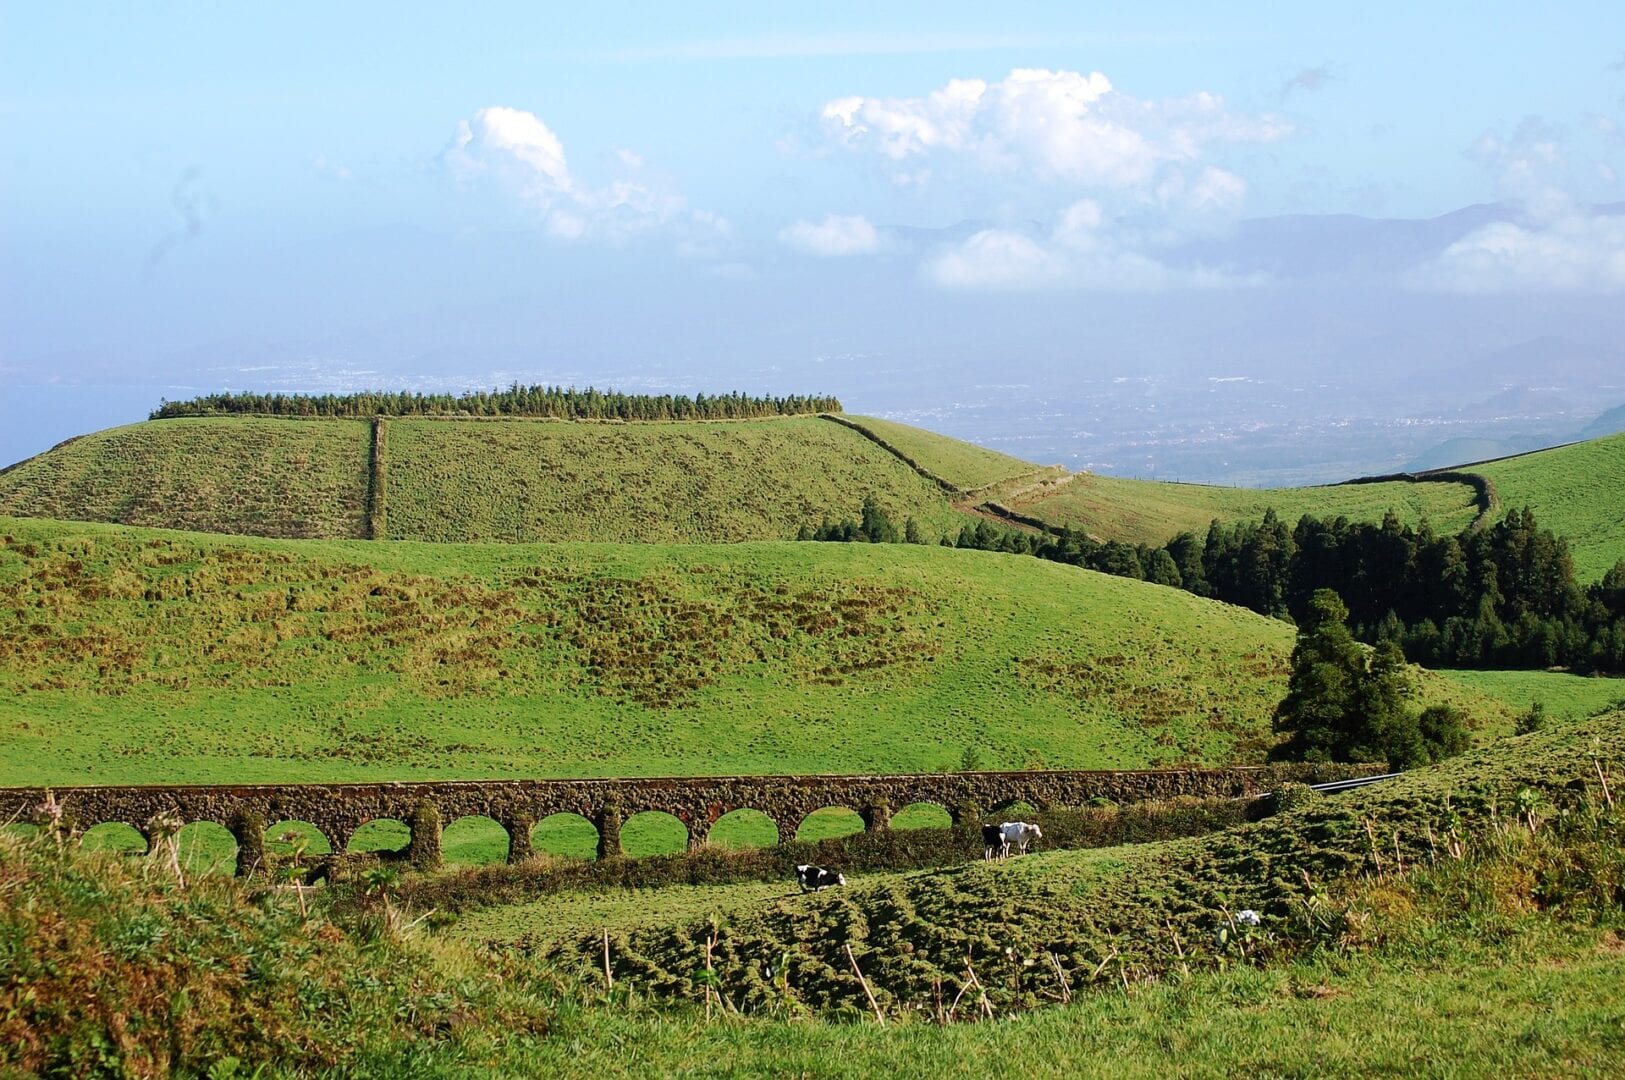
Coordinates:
<point>1018,835</point>
<point>993,842</point>
<point>816,878</point>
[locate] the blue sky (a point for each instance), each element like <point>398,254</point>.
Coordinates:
<point>163,160</point>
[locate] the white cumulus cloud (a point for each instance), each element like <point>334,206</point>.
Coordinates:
<point>1063,126</point>
<point>837,234</point>
<point>524,156</point>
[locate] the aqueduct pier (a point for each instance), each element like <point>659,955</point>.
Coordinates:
<point>338,810</point>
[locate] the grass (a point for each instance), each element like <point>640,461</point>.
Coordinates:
<point>474,480</point>
<point>1153,511</point>
<point>262,477</point>
<point>964,465</point>
<point>1566,697</point>
<point>1575,492</point>
<point>137,656</point>
<point>522,481</point>
<point>1544,1003</point>
<point>1148,908</point>
<point>1506,959</point>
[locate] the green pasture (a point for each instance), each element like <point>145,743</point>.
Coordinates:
<point>253,475</point>
<point>1543,1002</point>
<point>1565,696</point>
<point>965,465</point>
<point>526,481</point>
<point>495,480</point>
<point>1153,511</point>
<point>1575,491</point>
<point>140,656</point>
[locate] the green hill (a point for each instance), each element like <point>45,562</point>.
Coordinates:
<point>133,655</point>
<point>472,479</point>
<point>964,465</point>
<point>523,480</point>
<point>263,477</point>
<point>1577,491</point>
<point>1152,511</point>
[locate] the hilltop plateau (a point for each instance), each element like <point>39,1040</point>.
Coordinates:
<point>520,479</point>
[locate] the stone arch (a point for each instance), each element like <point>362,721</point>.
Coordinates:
<point>114,836</point>
<point>384,836</point>
<point>278,844</point>
<point>565,834</point>
<point>743,828</point>
<point>1014,809</point>
<point>474,840</point>
<point>922,815</point>
<point>653,832</point>
<point>828,822</point>
<point>207,847</point>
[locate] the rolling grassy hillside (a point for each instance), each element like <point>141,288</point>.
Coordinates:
<point>644,483</point>
<point>1576,491</point>
<point>132,655</point>
<point>964,465</point>
<point>480,480</point>
<point>264,477</point>
<point>1152,511</point>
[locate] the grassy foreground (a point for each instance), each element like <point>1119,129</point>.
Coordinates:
<point>1501,958</point>
<point>138,656</point>
<point>1143,912</point>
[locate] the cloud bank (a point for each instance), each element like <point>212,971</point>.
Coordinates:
<point>836,235</point>
<point>1559,244</point>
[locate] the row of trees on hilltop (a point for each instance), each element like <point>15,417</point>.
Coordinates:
<point>1503,596</point>
<point>536,401</point>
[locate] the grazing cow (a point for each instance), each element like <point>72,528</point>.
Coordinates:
<point>817,879</point>
<point>993,842</point>
<point>1019,834</point>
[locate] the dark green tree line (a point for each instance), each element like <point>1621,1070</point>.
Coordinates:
<point>535,401</point>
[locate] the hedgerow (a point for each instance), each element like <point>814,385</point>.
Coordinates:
<point>880,850</point>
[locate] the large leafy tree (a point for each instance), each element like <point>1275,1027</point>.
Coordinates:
<point>1343,704</point>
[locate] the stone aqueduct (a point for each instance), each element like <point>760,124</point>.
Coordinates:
<point>338,810</point>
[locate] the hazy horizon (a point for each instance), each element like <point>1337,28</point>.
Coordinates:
<point>1247,246</point>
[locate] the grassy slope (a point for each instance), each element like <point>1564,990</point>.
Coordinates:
<point>1566,697</point>
<point>107,968</point>
<point>1148,905</point>
<point>1467,1006</point>
<point>646,483</point>
<point>1150,511</point>
<point>145,656</point>
<point>963,464</point>
<point>464,480</point>
<point>1576,492</point>
<point>263,477</point>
